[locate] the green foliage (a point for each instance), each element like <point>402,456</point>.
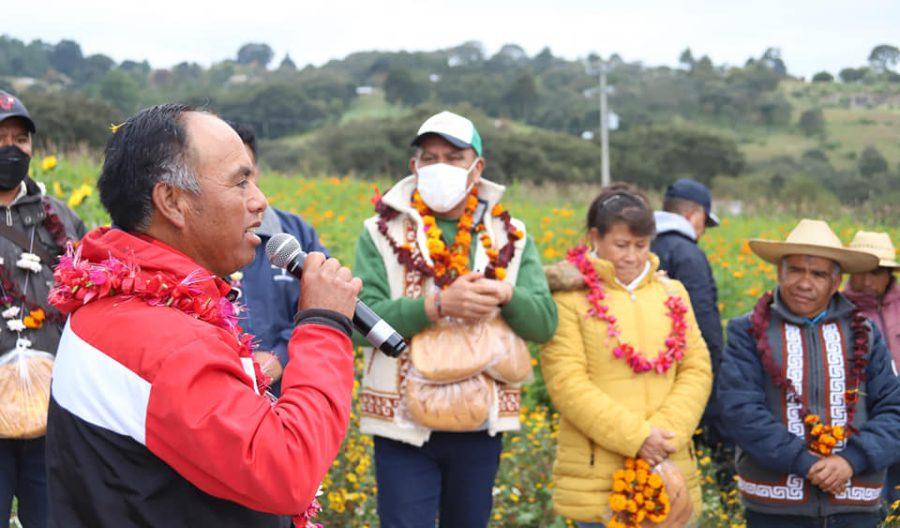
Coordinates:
<point>823,76</point>
<point>401,86</point>
<point>254,53</point>
<point>655,156</point>
<point>120,89</point>
<point>812,122</point>
<point>66,121</point>
<point>849,75</point>
<point>884,57</point>
<point>871,162</point>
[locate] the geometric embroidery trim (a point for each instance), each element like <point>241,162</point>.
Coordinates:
<point>794,360</point>
<point>792,490</point>
<point>859,494</point>
<point>837,377</point>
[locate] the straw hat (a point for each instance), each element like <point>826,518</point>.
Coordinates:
<point>814,238</point>
<point>878,244</point>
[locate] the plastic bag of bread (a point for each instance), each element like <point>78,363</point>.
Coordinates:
<point>511,361</point>
<point>25,389</point>
<point>451,350</point>
<point>458,407</point>
<point>682,507</point>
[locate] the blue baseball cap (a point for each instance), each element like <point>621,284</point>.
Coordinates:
<point>696,192</point>
<point>11,106</point>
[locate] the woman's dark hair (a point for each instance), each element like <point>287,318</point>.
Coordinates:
<point>621,203</point>
<point>149,148</point>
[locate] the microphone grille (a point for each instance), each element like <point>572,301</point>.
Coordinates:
<point>281,249</point>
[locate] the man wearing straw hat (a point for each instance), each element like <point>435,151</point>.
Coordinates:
<point>808,391</point>
<point>877,294</point>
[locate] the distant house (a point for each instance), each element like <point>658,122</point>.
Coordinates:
<point>365,90</point>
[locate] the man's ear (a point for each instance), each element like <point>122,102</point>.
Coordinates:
<point>479,169</point>
<point>172,203</point>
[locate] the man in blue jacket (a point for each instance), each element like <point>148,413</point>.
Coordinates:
<point>270,293</point>
<point>805,360</point>
<point>687,213</point>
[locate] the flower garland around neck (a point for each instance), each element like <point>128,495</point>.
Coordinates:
<point>79,281</point>
<point>19,311</point>
<point>453,262</point>
<point>822,438</point>
<point>675,343</point>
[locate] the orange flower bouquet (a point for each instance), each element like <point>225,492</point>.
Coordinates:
<point>823,438</point>
<point>643,497</point>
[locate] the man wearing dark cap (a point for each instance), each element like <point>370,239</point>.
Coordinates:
<point>33,230</point>
<point>687,212</point>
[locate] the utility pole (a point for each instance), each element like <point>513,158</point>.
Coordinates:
<point>604,128</point>
<point>597,66</point>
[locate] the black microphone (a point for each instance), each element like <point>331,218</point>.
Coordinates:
<point>284,251</point>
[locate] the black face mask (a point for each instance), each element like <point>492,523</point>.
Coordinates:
<point>13,167</point>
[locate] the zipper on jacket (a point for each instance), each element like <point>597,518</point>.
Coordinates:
<point>9,217</point>
<point>591,446</point>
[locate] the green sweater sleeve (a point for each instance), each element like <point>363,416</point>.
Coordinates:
<point>531,312</point>
<point>407,316</point>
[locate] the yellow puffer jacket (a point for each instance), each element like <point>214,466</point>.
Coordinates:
<point>606,409</point>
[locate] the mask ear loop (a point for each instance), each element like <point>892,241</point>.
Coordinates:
<point>469,171</point>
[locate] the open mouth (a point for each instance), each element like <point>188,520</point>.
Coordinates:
<point>250,233</point>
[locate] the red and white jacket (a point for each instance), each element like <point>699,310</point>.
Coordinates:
<point>155,421</point>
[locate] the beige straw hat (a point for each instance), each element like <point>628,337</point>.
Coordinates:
<point>814,238</point>
<point>878,244</point>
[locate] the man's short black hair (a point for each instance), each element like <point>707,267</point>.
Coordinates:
<point>149,148</point>
<point>680,206</point>
<point>247,134</point>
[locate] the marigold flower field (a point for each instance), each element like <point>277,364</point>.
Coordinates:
<point>336,206</point>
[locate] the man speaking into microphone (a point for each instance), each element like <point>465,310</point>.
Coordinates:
<point>158,413</point>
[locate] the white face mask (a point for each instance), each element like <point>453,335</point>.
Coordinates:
<point>443,186</point>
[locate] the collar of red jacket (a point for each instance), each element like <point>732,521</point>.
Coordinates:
<point>152,255</point>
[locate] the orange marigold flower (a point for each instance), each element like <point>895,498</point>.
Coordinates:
<point>31,322</point>
<point>617,502</point>
<point>655,481</point>
<point>641,476</point>
<point>38,314</point>
<point>618,485</point>
<point>500,273</point>
<point>811,419</point>
<point>497,210</point>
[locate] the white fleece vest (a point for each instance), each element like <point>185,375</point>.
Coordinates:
<point>380,396</point>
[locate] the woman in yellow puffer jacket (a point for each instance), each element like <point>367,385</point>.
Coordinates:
<point>612,408</point>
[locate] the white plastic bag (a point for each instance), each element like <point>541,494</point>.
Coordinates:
<point>459,406</point>
<point>24,391</point>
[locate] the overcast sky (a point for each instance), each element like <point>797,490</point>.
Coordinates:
<point>813,35</point>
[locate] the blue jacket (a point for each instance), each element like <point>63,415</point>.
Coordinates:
<point>684,261</point>
<point>770,436</point>
<point>270,294</point>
